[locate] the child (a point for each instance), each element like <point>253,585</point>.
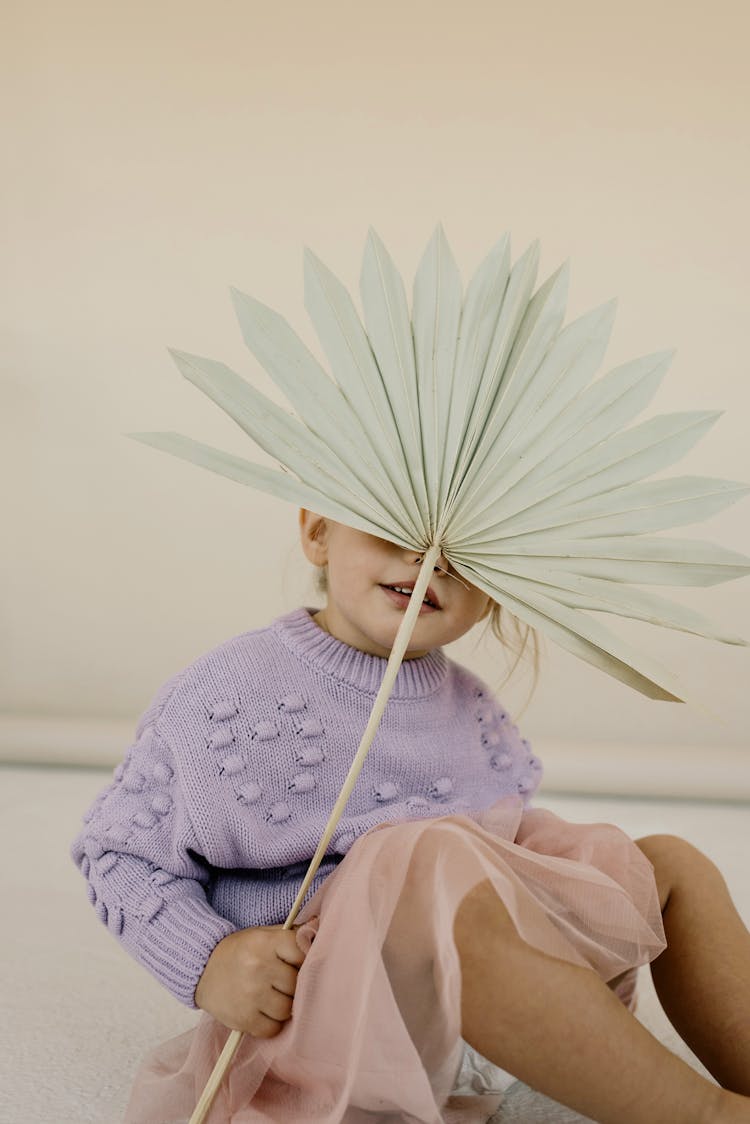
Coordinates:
<point>447,912</point>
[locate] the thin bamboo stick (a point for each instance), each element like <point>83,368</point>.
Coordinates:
<point>394,662</point>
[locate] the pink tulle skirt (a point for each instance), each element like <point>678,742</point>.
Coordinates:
<point>375,1032</point>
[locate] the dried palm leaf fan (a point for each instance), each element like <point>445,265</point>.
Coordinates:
<point>473,429</point>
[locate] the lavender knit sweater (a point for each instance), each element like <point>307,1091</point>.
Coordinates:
<point>210,822</point>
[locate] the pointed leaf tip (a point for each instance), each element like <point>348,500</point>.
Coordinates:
<point>374,238</point>
<point>179,355</point>
<point>147,438</point>
<point>239,297</point>
<point>313,262</point>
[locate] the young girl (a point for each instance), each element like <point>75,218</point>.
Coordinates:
<point>448,917</point>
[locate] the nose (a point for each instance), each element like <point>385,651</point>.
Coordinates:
<point>442,563</point>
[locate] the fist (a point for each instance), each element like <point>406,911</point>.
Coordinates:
<point>250,979</point>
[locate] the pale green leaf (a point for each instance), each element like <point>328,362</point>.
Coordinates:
<point>436,313</point>
<point>353,366</point>
<point>628,559</point>
<point>279,484</point>
<point>579,591</point>
<point>389,330</point>
<point>581,635</point>
<point>479,317</point>
<point>281,434</point>
<point>512,311</point>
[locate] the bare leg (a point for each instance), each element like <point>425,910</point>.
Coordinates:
<point>703,976</point>
<point>560,1029</point>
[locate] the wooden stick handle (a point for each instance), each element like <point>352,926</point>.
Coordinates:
<point>394,662</point>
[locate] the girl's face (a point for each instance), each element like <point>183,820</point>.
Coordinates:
<point>362,612</point>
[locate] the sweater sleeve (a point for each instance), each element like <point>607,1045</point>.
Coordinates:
<point>146,877</point>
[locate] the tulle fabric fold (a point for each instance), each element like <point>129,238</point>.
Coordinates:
<point>375,1032</point>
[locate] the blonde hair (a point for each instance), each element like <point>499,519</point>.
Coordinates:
<point>523,635</point>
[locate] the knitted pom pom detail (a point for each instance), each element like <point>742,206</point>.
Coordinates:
<point>441,788</point>
<point>278,812</point>
<point>233,765</point>
<point>249,793</point>
<point>309,728</point>
<point>303,782</point>
<point>266,730</point>
<point>221,738</point>
<point>501,761</point>
<point>144,819</point>
<point>309,755</point>
<point>222,710</point>
<point>134,781</point>
<point>292,704</point>
<point>118,835</point>
<point>163,773</point>
<point>417,802</point>
<point>385,791</point>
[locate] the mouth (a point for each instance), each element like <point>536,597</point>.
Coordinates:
<point>400,593</point>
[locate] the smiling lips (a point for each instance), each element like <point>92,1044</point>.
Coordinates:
<point>429,605</point>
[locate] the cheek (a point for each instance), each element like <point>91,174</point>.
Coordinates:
<point>350,578</point>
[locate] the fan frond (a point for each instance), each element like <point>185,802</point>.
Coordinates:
<point>478,425</point>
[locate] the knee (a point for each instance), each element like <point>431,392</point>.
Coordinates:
<point>670,849</point>
<point>481,911</point>
<point>440,853</point>
<point>423,871</point>
<point>675,861</point>
<point>431,852</point>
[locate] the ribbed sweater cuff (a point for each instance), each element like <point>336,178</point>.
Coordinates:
<point>176,944</point>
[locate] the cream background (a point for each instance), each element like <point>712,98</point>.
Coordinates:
<point>156,153</point>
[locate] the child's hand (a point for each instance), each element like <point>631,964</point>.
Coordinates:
<point>250,979</point>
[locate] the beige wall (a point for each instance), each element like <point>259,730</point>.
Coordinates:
<point>156,153</point>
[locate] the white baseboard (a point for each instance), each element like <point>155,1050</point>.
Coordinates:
<point>601,768</point>
<point>689,772</point>
<point>98,743</point>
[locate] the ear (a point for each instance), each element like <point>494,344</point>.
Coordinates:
<point>313,531</point>
<point>488,610</point>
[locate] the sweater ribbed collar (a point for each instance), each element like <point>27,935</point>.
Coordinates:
<point>310,643</point>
